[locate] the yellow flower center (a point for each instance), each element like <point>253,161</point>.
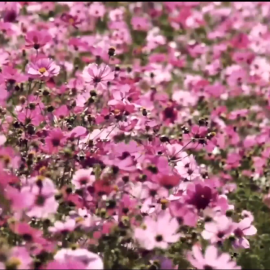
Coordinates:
<point>79,219</point>
<point>42,171</point>
<point>71,21</point>
<point>5,158</point>
<point>42,70</point>
<point>40,177</point>
<point>164,201</point>
<point>13,263</point>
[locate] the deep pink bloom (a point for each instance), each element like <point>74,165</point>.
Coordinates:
<point>55,140</point>
<point>28,233</point>
<point>200,195</point>
<point>71,20</point>
<point>37,39</point>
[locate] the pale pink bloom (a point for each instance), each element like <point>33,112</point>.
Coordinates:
<point>188,168</point>
<point>242,229</point>
<point>42,68</point>
<point>3,139</point>
<point>89,259</point>
<point>83,178</point>
<point>117,14</point>
<point>83,217</point>
<point>218,230</point>
<point>20,200</point>
<point>98,75</point>
<point>158,233</point>
<point>20,257</point>
<point>66,264</point>
<point>77,132</point>
<point>140,23</point>
<point>60,227</point>
<point>4,57</point>
<point>97,9</point>
<point>44,192</point>
<point>211,259</point>
<point>185,98</point>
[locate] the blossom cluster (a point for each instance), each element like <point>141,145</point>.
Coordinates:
<point>134,135</point>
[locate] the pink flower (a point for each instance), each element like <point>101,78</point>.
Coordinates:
<point>77,132</point>
<point>27,116</point>
<point>3,139</point>
<point>155,235</point>
<point>242,229</point>
<point>20,258</point>
<point>62,227</point>
<point>4,57</point>
<point>55,140</point>
<point>42,68</point>
<point>37,39</point>
<point>97,9</point>
<point>28,233</point>
<point>20,200</point>
<point>66,264</point>
<point>140,23</point>
<point>183,213</point>
<point>211,259</point>
<point>10,76</point>
<point>200,195</point>
<point>218,230</point>
<point>10,11</point>
<point>98,75</point>
<point>71,20</point>
<point>44,191</point>
<point>83,178</point>
<point>89,259</point>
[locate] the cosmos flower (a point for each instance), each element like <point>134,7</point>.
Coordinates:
<point>211,259</point>
<point>98,75</point>
<point>42,68</point>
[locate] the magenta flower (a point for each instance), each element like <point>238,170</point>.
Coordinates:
<point>98,75</point>
<point>54,141</point>
<point>42,68</point>
<point>37,39</point>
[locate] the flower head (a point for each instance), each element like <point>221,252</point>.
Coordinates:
<point>37,39</point>
<point>98,75</point>
<point>42,68</point>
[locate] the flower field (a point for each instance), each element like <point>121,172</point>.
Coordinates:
<point>134,135</point>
